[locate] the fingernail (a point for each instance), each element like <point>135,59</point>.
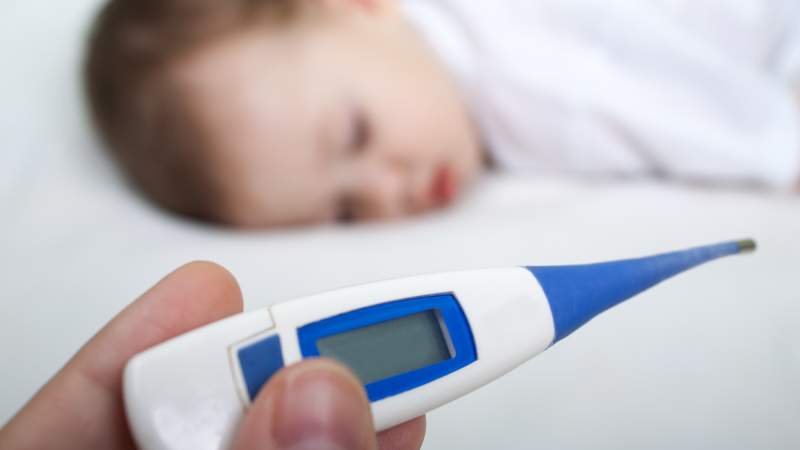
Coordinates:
<point>321,409</point>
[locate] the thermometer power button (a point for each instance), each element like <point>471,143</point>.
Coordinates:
<point>259,361</point>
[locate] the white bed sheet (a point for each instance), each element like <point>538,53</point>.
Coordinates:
<point>710,359</point>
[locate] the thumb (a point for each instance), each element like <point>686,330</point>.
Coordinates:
<point>315,404</point>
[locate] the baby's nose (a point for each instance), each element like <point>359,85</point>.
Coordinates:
<point>382,192</point>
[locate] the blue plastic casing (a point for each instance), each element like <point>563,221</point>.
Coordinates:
<point>457,327</point>
<point>259,361</point>
<point>578,293</point>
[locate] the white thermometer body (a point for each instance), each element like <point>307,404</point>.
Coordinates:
<point>415,342</point>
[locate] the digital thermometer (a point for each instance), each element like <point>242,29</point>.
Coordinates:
<point>415,342</point>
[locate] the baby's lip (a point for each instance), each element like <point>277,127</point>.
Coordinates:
<point>443,187</point>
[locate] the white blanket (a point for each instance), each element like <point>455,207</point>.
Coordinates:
<point>689,89</point>
<point>710,359</point>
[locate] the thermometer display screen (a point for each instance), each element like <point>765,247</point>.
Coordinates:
<point>390,348</point>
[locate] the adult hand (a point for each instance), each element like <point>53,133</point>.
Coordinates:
<point>315,404</point>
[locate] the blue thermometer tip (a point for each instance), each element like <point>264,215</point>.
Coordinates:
<point>578,293</point>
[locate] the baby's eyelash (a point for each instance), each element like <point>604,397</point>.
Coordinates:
<point>345,211</point>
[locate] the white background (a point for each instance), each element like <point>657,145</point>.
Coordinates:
<point>710,359</point>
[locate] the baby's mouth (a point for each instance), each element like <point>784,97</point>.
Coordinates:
<point>444,186</point>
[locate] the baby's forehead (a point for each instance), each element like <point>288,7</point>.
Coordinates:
<point>223,60</point>
<point>228,85</point>
<point>247,69</point>
<point>259,135</point>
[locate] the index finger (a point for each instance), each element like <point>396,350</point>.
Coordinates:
<point>81,407</point>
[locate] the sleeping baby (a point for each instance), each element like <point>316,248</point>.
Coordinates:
<point>258,113</point>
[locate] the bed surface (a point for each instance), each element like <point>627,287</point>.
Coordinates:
<point>710,359</point>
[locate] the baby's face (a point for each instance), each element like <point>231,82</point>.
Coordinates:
<point>342,114</point>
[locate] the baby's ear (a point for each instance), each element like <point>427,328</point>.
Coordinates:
<point>376,7</point>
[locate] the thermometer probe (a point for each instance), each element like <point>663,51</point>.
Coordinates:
<point>415,343</point>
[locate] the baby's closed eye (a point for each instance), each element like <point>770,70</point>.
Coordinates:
<point>345,210</point>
